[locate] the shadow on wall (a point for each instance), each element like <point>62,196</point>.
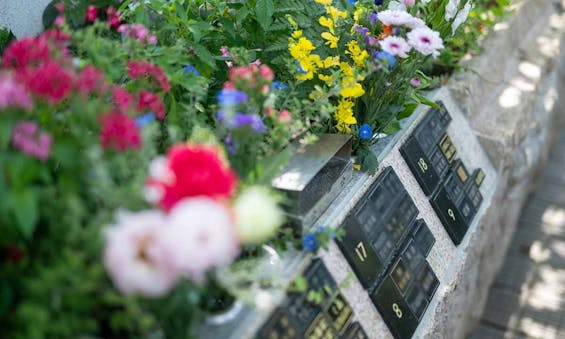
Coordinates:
<point>22,17</point>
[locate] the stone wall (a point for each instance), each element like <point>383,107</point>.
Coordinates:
<point>23,17</point>
<point>512,101</point>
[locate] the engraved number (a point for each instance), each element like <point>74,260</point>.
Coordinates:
<point>423,165</point>
<point>360,250</point>
<point>451,214</point>
<point>397,310</point>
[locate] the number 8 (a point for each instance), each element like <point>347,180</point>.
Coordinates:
<point>423,165</point>
<point>397,310</point>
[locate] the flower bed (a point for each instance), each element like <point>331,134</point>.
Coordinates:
<point>139,143</point>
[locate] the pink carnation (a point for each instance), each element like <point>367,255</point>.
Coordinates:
<point>119,132</point>
<point>201,235</point>
<point>151,102</point>
<point>134,255</point>
<point>51,81</point>
<point>90,80</point>
<point>91,13</point>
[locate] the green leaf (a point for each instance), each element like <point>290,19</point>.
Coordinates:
<point>204,55</point>
<point>392,127</point>
<point>24,207</point>
<point>367,160</point>
<point>423,100</point>
<point>300,284</point>
<point>264,10</point>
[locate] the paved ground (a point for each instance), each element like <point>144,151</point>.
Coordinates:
<point>527,299</point>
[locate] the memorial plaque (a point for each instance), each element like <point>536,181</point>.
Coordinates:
<point>298,317</point>
<point>377,227</point>
<point>423,238</point>
<point>429,150</point>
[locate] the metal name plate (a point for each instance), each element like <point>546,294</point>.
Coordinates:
<point>431,157</point>
<point>387,247</point>
<point>298,317</point>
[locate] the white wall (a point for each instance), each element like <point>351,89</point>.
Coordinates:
<point>23,17</point>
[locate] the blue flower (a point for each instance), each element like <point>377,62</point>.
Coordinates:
<point>189,68</point>
<point>373,18</point>
<point>352,2</point>
<point>278,85</point>
<point>230,145</point>
<point>378,2</point>
<point>145,119</point>
<point>231,97</point>
<point>365,132</point>
<point>391,60</point>
<point>309,242</point>
<point>252,120</point>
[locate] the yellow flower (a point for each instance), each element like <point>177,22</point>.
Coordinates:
<point>300,49</point>
<point>309,67</point>
<point>328,23</point>
<point>351,89</point>
<point>331,62</point>
<point>297,34</point>
<point>335,13</point>
<point>357,15</point>
<point>346,69</point>
<point>324,2</point>
<point>331,39</point>
<point>291,21</point>
<point>357,54</point>
<point>328,79</point>
<point>344,116</point>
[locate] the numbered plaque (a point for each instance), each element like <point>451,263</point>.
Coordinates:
<point>298,317</point>
<point>387,247</point>
<point>377,226</point>
<point>429,150</point>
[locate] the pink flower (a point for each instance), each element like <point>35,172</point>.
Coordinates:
<point>90,80</point>
<point>26,52</point>
<point>139,69</point>
<point>266,73</point>
<point>91,13</point>
<point>394,17</point>
<point>137,32</point>
<point>122,99</point>
<point>119,132</point>
<point>409,3</point>
<point>396,46</point>
<point>425,41</point>
<point>200,236</point>
<point>59,21</point>
<point>51,81</point>
<point>27,137</point>
<point>415,81</point>
<point>13,94</point>
<point>136,258</point>
<point>113,17</point>
<point>151,102</point>
<point>284,116</point>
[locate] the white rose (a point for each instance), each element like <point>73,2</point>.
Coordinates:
<point>257,215</point>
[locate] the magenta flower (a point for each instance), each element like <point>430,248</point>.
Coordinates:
<point>27,137</point>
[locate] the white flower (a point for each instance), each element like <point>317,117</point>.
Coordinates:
<point>451,9</point>
<point>397,5</point>
<point>425,41</point>
<point>395,46</point>
<point>257,215</point>
<point>415,23</point>
<point>461,17</point>
<point>200,235</point>
<point>394,17</point>
<point>135,257</point>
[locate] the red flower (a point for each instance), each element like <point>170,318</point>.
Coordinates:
<point>139,69</point>
<point>151,102</point>
<point>26,52</point>
<point>113,17</point>
<point>119,132</point>
<point>91,13</point>
<point>266,73</point>
<point>122,99</point>
<point>50,81</point>
<point>193,170</point>
<point>90,80</point>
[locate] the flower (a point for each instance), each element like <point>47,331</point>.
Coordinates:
<point>395,46</point>
<point>324,2</point>
<point>231,97</point>
<point>390,59</point>
<point>373,17</point>
<point>29,51</point>
<point>90,80</point>
<point>197,170</point>
<point>332,40</point>
<point>365,132</point>
<point>119,132</point>
<point>113,17</point>
<point>12,93</point>
<point>409,3</point>
<point>451,9</point>
<point>461,17</point>
<point>151,102</point>
<point>279,86</point>
<point>137,32</point>
<point>344,116</point>
<point>425,41</point>
<point>415,23</point>
<point>140,69</point>
<point>50,81</point>
<point>134,255</point>
<point>27,137</point>
<point>190,69</point>
<point>284,116</point>
<point>394,17</point>
<point>122,99</point>
<point>309,242</point>
<point>200,235</point>
<point>266,73</point>
<point>145,119</point>
<point>415,81</point>
<point>91,13</point>
<point>257,215</point>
